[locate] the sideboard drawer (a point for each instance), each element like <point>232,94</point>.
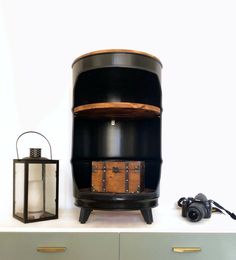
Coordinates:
<point>176,246</point>
<point>58,246</point>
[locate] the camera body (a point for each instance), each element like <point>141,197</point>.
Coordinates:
<point>196,208</point>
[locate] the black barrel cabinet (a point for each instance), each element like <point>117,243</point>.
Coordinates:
<point>117,121</point>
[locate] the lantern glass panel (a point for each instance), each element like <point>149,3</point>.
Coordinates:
<point>42,190</point>
<point>35,190</point>
<point>50,188</point>
<point>19,189</point>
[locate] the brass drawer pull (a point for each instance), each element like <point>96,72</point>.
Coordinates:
<point>51,249</point>
<point>186,249</point>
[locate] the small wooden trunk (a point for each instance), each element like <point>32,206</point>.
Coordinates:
<point>118,176</point>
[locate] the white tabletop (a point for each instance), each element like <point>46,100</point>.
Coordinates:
<point>165,219</point>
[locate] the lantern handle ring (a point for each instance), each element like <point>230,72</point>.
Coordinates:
<point>32,132</point>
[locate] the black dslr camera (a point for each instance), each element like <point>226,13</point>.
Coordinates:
<point>194,209</point>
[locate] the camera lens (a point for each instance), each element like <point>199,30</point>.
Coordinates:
<point>195,212</point>
<point>194,215</point>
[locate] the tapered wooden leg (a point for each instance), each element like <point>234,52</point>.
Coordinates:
<point>84,214</point>
<point>147,215</point>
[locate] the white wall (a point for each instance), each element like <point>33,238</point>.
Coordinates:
<point>196,43</point>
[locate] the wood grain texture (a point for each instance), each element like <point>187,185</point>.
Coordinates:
<point>116,180</point>
<point>117,110</point>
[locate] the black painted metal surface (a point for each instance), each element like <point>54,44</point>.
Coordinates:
<point>117,84</point>
<point>116,77</point>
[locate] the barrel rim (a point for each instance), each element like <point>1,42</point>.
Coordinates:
<point>105,51</point>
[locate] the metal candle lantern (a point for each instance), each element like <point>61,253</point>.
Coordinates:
<point>35,185</point>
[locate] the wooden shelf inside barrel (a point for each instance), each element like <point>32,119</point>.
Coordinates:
<point>117,110</point>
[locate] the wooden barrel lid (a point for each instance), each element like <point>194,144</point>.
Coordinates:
<point>117,110</point>
<point>116,51</point>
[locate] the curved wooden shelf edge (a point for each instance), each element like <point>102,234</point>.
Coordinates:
<point>118,109</point>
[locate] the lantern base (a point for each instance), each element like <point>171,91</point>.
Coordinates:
<point>43,216</point>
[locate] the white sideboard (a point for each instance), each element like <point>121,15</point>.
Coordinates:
<point>117,235</point>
